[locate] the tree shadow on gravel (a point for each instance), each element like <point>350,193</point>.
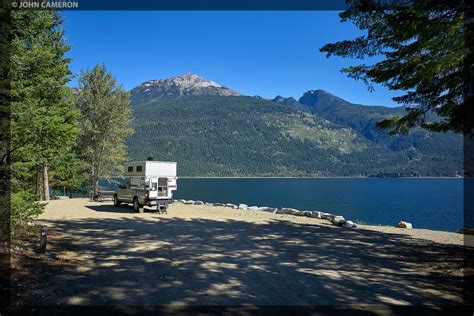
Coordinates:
<point>124,208</point>
<point>136,261</point>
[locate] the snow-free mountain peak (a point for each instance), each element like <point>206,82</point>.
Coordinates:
<point>313,97</point>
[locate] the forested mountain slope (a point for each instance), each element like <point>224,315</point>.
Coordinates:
<point>211,135</point>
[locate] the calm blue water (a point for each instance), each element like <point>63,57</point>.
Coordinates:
<point>426,203</point>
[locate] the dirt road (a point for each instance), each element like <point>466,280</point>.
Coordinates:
<point>215,255</point>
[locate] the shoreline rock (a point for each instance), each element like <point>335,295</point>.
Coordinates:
<point>289,211</point>
<point>326,216</point>
<point>403,224</point>
<point>338,220</point>
<point>334,219</point>
<point>266,209</point>
<point>349,224</point>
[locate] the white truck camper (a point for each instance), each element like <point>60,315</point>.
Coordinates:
<point>148,183</point>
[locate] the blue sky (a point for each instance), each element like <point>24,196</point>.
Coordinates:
<point>254,52</point>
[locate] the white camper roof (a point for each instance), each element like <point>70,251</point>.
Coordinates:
<point>151,168</point>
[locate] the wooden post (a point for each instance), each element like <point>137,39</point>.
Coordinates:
<point>43,239</point>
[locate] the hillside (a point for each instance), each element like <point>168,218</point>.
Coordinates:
<point>363,118</point>
<point>214,135</point>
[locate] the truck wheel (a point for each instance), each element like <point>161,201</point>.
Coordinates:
<point>136,206</point>
<point>116,201</point>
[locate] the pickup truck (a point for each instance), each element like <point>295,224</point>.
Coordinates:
<point>148,183</point>
<point>155,193</point>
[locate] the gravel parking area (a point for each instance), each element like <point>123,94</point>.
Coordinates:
<point>208,255</point>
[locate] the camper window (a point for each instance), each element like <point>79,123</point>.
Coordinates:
<point>130,169</point>
<point>139,168</point>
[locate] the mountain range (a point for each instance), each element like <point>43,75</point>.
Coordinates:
<point>212,130</point>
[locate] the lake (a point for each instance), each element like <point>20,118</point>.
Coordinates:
<point>426,203</point>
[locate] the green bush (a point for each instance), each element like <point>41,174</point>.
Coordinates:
<point>24,213</point>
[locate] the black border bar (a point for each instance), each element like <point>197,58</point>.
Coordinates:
<point>5,144</point>
<point>181,5</point>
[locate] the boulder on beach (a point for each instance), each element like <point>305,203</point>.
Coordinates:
<point>299,213</point>
<point>315,214</point>
<point>349,224</point>
<point>208,204</point>
<point>328,216</point>
<point>219,204</point>
<point>338,220</point>
<point>266,209</point>
<point>307,213</point>
<point>231,205</point>
<point>253,208</point>
<point>279,211</point>
<point>199,203</point>
<point>189,202</point>
<point>290,211</point>
<point>243,206</point>
<point>403,224</point>
<point>181,201</point>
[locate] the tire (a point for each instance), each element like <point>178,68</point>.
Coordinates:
<point>136,206</point>
<point>117,203</point>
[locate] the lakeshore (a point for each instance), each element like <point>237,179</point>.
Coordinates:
<point>435,204</point>
<point>213,255</point>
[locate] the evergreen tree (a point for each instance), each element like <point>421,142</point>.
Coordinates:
<point>43,117</point>
<point>105,121</point>
<point>68,175</point>
<point>427,54</point>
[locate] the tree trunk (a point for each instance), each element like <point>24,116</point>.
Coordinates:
<point>39,182</point>
<point>45,183</point>
<point>94,185</point>
<point>42,182</point>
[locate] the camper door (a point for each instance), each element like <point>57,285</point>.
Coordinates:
<point>158,187</point>
<point>163,187</point>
